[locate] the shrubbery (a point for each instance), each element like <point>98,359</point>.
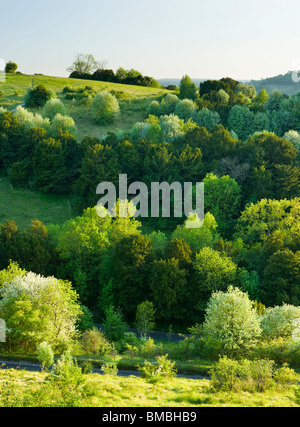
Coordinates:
<point>54,107</point>
<point>38,96</point>
<point>251,376</point>
<point>105,108</point>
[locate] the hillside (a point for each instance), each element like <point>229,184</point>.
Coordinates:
<point>283,82</point>
<point>134,100</point>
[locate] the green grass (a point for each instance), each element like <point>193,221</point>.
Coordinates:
<point>112,391</point>
<point>22,206</point>
<point>133,107</point>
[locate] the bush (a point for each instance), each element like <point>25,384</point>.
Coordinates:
<point>38,96</point>
<point>279,350</point>
<point>163,369</point>
<point>68,89</point>
<point>45,354</point>
<point>110,368</point>
<point>184,109</point>
<point>286,376</point>
<point>168,104</point>
<point>154,109</point>
<point>105,108</point>
<point>114,325</point>
<point>63,123</point>
<point>242,375</point>
<point>149,349</point>
<point>29,120</point>
<point>67,383</point>
<point>145,316</point>
<point>19,173</point>
<point>94,342</point>
<point>54,107</point>
<point>277,322</point>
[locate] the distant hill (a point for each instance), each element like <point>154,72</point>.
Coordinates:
<point>283,82</point>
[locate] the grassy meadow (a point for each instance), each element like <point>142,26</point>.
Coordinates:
<point>23,388</point>
<point>23,206</point>
<point>133,105</point>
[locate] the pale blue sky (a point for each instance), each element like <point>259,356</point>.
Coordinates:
<point>160,38</point>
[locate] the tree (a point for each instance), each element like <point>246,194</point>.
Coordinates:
<point>197,238</point>
<point>50,173</point>
<point>31,248</point>
<point>188,89</point>
<point>259,220</point>
<point>145,318</point>
<point>212,272</point>
<point>281,280</point>
<point>105,108</point>
<point>86,64</point>
<point>38,309</point>
<point>179,249</point>
<point>13,270</point>
<point>11,67</point>
<point>231,323</point>
<point>130,263</point>
<point>169,290</point>
<point>207,118</point>
<point>222,200</point>
<point>240,120</point>
<point>277,322</point>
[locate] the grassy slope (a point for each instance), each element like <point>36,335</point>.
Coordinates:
<point>23,205</point>
<point>113,391</point>
<point>133,108</point>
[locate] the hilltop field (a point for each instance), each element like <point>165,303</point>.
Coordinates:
<point>23,205</point>
<point>133,100</point>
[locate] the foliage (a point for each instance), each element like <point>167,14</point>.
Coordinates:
<point>11,67</point>
<point>38,96</point>
<point>278,322</point>
<point>188,89</point>
<point>94,341</point>
<point>63,123</point>
<point>162,370</point>
<point>45,354</point>
<point>242,375</point>
<point>114,324</point>
<point>38,309</point>
<point>105,108</point>
<point>54,107</point>
<point>145,318</point>
<point>231,321</point>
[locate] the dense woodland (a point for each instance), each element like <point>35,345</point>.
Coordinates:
<point>243,145</point>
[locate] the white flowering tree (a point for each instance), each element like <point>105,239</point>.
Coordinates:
<point>38,309</point>
<point>279,321</point>
<point>231,322</point>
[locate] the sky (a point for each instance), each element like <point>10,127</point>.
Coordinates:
<point>160,38</point>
